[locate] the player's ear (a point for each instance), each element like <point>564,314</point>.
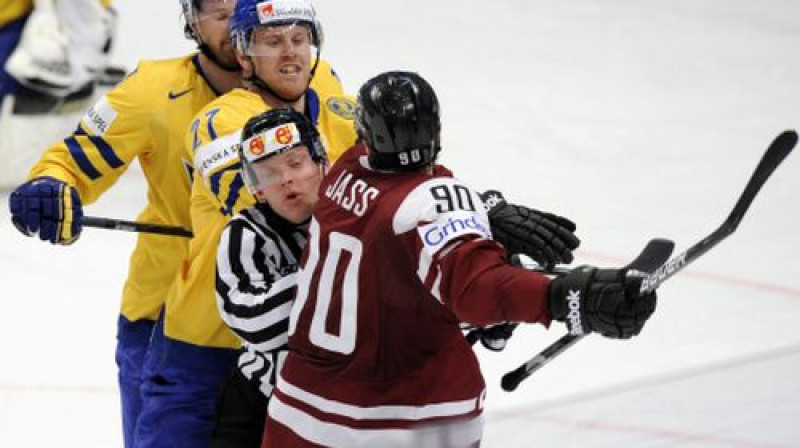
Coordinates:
<point>245,62</point>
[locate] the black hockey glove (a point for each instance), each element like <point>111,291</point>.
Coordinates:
<point>605,301</point>
<point>493,338</point>
<point>548,239</point>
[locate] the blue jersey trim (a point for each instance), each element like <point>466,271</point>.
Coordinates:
<point>80,158</point>
<point>105,149</point>
<point>214,181</point>
<point>107,152</point>
<point>312,100</point>
<point>236,186</point>
<point>233,192</point>
<point>196,63</point>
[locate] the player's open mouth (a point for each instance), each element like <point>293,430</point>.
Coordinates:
<point>290,69</point>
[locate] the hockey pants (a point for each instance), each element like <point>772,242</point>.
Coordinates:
<point>133,339</point>
<point>180,385</point>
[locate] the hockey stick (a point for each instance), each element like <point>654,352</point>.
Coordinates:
<point>133,226</point>
<point>774,156</point>
<point>776,153</point>
<point>653,256</point>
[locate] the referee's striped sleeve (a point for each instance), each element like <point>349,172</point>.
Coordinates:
<point>253,299</point>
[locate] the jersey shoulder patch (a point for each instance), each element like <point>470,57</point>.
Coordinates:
<point>217,154</point>
<point>99,117</point>
<point>343,106</point>
<point>442,209</point>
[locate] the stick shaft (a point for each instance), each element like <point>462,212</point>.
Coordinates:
<point>777,151</point>
<point>133,226</point>
<point>772,158</point>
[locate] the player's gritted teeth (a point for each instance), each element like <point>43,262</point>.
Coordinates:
<point>290,69</point>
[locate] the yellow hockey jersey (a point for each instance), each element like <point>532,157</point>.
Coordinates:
<point>218,193</point>
<point>144,117</point>
<point>11,10</point>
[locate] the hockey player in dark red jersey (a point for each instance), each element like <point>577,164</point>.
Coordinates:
<point>398,255</point>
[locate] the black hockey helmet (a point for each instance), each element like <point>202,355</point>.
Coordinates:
<point>274,132</point>
<point>397,116</point>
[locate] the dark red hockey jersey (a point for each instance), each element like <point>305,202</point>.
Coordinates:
<point>395,261</point>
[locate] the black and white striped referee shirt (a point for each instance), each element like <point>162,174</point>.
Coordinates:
<point>257,262</point>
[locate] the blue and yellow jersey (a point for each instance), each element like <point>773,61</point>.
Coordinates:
<point>218,193</point>
<point>11,10</point>
<point>144,117</point>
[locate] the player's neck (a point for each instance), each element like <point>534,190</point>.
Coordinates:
<point>274,102</point>
<point>220,79</point>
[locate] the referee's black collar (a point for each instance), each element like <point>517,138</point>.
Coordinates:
<point>276,221</point>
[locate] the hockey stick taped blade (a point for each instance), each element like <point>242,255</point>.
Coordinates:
<point>655,253</point>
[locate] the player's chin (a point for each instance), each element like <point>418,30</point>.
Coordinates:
<point>296,214</point>
<point>225,54</point>
<point>229,61</point>
<point>291,86</point>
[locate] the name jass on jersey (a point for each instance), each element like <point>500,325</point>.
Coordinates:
<point>352,194</point>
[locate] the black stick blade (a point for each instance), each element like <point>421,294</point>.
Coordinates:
<point>655,253</point>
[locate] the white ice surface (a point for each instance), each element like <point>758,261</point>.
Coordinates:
<point>636,119</point>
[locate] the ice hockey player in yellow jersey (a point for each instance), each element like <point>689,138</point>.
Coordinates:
<point>59,46</point>
<point>12,10</point>
<point>143,118</point>
<point>278,45</point>
<point>54,60</point>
